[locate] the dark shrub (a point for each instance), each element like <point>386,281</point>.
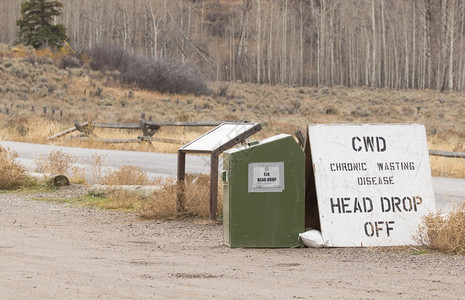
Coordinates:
<point>70,62</point>
<point>107,57</point>
<point>164,75</point>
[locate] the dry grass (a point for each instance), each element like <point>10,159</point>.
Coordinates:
<point>447,167</point>
<point>122,200</point>
<point>163,203</point>
<point>444,233</point>
<point>443,166</point>
<point>97,163</point>
<point>32,129</point>
<point>56,162</point>
<point>126,175</point>
<point>12,175</point>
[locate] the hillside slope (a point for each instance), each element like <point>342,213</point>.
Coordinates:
<point>29,79</point>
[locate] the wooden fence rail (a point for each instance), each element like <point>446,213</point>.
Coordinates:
<point>148,130</point>
<point>447,154</point>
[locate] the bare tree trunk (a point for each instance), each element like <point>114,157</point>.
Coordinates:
<point>301,41</point>
<point>441,78</point>
<point>451,44</point>
<point>321,44</point>
<point>414,45</point>
<point>428,63</point>
<point>284,44</point>
<point>259,31</point>
<point>373,59</point>
<point>155,29</point>
<point>461,63</point>
<point>367,59</point>
<point>406,51</point>
<point>241,56</point>
<point>270,43</point>
<point>383,24</point>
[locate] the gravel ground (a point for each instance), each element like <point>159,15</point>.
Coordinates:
<point>50,250</point>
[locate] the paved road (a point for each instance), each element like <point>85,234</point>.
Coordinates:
<point>449,192</point>
<point>155,164</point>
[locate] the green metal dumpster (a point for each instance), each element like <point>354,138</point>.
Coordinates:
<point>264,194</point>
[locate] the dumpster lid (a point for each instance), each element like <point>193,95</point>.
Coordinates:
<point>262,142</point>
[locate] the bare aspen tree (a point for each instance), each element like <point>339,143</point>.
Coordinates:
<point>259,31</point>
<point>461,62</point>
<point>242,45</point>
<point>270,42</point>
<point>379,43</point>
<point>451,43</point>
<point>406,75</point>
<point>321,44</point>
<point>301,43</point>
<point>383,25</point>
<point>414,43</point>
<point>373,50</point>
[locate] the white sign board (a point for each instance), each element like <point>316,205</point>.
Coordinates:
<point>373,183</point>
<point>266,177</point>
<point>218,136</point>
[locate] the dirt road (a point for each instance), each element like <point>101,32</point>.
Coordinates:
<point>50,250</point>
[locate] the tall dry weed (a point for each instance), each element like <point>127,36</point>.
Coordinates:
<point>197,195</point>
<point>97,163</point>
<point>444,233</point>
<point>56,162</point>
<point>127,175</point>
<point>78,175</point>
<point>163,203</point>
<point>12,175</point>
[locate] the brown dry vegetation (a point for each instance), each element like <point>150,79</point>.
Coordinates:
<point>12,174</point>
<point>127,175</point>
<point>56,162</point>
<point>162,204</point>
<point>35,79</point>
<point>444,233</point>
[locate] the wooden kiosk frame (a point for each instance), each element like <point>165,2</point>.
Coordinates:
<point>214,142</point>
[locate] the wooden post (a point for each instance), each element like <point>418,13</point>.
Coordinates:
<point>300,138</point>
<point>45,110</point>
<point>181,183</point>
<point>213,185</point>
<point>145,132</point>
<point>79,127</point>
